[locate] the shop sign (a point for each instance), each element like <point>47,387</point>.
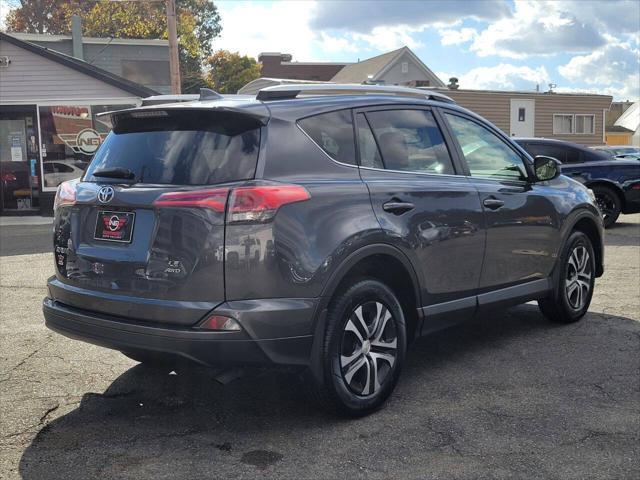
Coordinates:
<point>16,147</point>
<point>85,141</point>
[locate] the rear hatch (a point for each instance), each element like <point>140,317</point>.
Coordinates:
<point>132,239</point>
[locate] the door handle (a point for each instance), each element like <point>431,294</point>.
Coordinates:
<point>492,203</point>
<point>397,208</point>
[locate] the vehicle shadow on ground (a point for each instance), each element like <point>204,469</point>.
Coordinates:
<point>149,423</point>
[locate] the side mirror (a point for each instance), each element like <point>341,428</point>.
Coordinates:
<point>546,168</point>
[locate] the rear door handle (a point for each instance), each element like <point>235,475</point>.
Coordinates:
<point>493,203</point>
<point>397,208</point>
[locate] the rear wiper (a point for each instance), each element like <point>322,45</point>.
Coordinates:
<point>117,172</point>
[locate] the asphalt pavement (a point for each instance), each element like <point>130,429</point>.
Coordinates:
<point>507,396</point>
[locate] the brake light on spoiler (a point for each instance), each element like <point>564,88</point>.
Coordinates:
<point>243,204</point>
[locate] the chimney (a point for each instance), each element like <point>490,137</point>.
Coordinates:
<point>76,36</point>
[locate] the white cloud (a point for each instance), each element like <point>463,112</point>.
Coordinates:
<point>364,16</point>
<point>613,69</point>
<point>254,27</point>
<point>537,28</point>
<point>389,38</point>
<point>451,36</point>
<point>504,76</point>
<point>337,44</point>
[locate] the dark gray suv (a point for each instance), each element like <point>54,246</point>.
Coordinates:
<point>322,227</point>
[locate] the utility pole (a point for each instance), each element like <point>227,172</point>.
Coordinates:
<point>174,61</point>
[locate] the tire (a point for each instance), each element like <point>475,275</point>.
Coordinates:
<point>364,341</point>
<point>609,204</point>
<point>574,284</point>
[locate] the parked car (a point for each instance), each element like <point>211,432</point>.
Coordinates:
<point>620,151</point>
<point>615,182</point>
<point>58,171</point>
<point>383,214</point>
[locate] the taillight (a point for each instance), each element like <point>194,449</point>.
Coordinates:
<point>215,199</point>
<point>260,203</point>
<point>246,204</point>
<point>66,194</point>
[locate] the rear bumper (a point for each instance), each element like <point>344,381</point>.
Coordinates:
<point>204,347</point>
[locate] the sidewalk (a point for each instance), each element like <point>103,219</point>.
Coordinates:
<point>27,220</point>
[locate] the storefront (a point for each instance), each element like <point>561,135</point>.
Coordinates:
<point>48,136</point>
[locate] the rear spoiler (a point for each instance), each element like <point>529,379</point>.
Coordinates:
<point>111,119</point>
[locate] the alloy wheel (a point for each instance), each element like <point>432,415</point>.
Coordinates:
<point>369,348</point>
<point>578,278</point>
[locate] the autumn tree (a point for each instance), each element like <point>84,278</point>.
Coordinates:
<point>230,71</point>
<point>198,25</point>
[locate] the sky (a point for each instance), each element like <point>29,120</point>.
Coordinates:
<point>579,45</point>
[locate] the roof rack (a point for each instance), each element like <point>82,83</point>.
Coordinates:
<point>287,92</point>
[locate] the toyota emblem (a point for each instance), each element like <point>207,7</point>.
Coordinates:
<point>105,194</point>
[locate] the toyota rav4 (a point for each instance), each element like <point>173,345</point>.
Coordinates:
<point>320,227</point>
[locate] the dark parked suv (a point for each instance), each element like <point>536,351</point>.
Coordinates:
<point>322,227</point>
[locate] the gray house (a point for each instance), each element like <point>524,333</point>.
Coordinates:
<point>49,128</point>
<point>398,67</point>
<point>143,61</point>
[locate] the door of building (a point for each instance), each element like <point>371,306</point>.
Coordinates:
<point>19,182</point>
<point>523,114</point>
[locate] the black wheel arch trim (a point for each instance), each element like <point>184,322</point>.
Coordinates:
<point>569,225</point>
<point>338,274</point>
<point>368,251</point>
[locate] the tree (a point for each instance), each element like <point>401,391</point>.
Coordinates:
<point>198,25</point>
<point>231,71</point>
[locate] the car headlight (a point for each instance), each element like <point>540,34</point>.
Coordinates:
<point>591,194</point>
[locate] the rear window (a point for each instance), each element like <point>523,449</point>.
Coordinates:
<point>183,148</point>
<point>333,132</point>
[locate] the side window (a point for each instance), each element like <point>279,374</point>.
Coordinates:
<point>573,155</point>
<point>369,153</point>
<point>333,132</point>
<point>486,154</point>
<point>549,150</point>
<point>62,168</point>
<point>410,140</point>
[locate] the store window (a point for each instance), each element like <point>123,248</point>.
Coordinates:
<point>71,134</point>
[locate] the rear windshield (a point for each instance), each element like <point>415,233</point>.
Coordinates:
<point>185,148</point>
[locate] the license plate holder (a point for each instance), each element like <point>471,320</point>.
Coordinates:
<point>112,226</point>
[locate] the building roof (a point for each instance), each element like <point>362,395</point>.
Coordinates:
<point>82,67</point>
<point>372,68</point>
<point>520,92</point>
<point>630,119</point>
<point>45,37</point>
<point>367,69</point>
